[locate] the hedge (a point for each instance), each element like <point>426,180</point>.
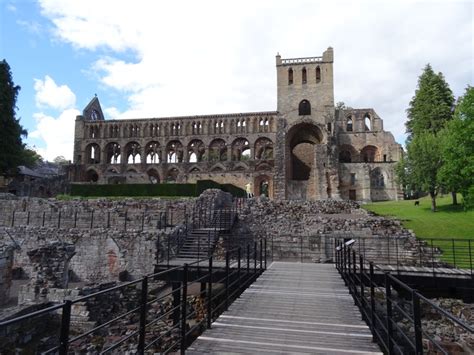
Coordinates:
<point>153,189</point>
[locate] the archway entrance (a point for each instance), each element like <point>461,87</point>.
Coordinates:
<point>301,150</point>
<point>263,186</point>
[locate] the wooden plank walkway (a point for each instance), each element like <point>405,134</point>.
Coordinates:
<point>292,308</point>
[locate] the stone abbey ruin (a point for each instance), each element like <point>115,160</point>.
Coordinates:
<point>306,150</point>
<point>92,264</point>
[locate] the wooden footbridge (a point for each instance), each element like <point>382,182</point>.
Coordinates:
<point>291,308</point>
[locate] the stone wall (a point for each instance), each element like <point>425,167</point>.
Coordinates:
<point>6,265</point>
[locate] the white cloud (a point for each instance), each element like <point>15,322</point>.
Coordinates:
<point>58,133</point>
<point>50,95</point>
<point>213,57</point>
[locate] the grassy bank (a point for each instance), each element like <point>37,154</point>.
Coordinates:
<point>448,222</point>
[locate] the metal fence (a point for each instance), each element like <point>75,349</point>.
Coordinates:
<point>221,283</point>
<point>97,218</point>
<point>393,310</point>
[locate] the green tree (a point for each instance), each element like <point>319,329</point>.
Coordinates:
<point>432,105</point>
<point>424,162</point>
<point>12,149</point>
<point>457,172</point>
<point>429,111</point>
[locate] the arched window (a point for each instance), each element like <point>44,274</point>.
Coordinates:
<point>318,74</point>
<point>290,76</point>
<point>304,108</point>
<point>367,122</point>
<point>349,125</point>
<point>303,76</point>
<point>345,157</point>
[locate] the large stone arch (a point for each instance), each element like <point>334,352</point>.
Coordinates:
<point>263,149</point>
<point>241,149</point>
<point>132,154</point>
<point>113,153</point>
<point>91,175</point>
<point>305,178</point>
<point>217,150</point>
<point>369,154</point>
<point>153,152</point>
<point>196,150</point>
<point>348,154</point>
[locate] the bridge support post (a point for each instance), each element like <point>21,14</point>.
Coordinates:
<point>143,310</point>
<point>176,292</point>
<point>389,325</point>
<point>184,307</point>
<point>417,323</point>
<point>209,295</point>
<point>227,257</point>
<point>372,298</point>
<point>65,323</point>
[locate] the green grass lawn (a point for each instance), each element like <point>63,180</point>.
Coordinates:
<point>447,223</point>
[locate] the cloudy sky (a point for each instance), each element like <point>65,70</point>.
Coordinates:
<point>168,58</point>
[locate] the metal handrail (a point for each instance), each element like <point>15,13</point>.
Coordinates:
<point>384,326</point>
<point>236,279</point>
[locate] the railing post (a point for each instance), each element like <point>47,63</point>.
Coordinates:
<point>470,255</point>
<point>454,253</point>
<point>28,218</point>
<point>169,247</point>
<point>255,257</point>
<point>261,256</point>
<point>59,219</point>
<point>362,294</point>
<point>389,325</point>
<point>65,323</point>
<point>372,297</point>
<point>44,215</point>
<point>75,220</point>
<point>417,323</point>
<point>125,221</point>
<point>13,219</point>
<point>92,219</point>
<point>301,248</point>
<point>227,260</point>
<point>209,295</point>
<point>143,220</point>
<point>143,310</point>
<point>248,260</point>
<point>108,219</point>
<point>349,269</point>
<point>209,253</point>
<point>265,252</point>
<point>238,268</point>
<point>354,275</point>
<point>184,307</point>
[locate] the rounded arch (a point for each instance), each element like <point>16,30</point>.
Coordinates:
<point>152,152</point>
<point>301,141</point>
<point>263,186</point>
<point>241,167</point>
<point>218,168</point>
<point>113,153</point>
<point>263,167</point>
<point>174,152</point>
<point>263,149</point>
<point>194,170</point>
<point>153,176</point>
<point>241,149</point>
<point>367,122</point>
<point>217,150</point>
<point>347,154</point>
<point>93,153</point>
<point>290,76</point>
<point>196,150</point>
<point>91,175</point>
<point>349,124</point>
<point>369,154</point>
<point>172,175</point>
<point>133,153</point>
<point>304,108</point>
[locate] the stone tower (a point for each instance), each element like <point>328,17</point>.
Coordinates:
<point>306,116</point>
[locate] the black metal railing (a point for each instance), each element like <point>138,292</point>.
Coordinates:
<point>395,312</point>
<point>221,282</point>
<point>98,218</point>
<point>434,257</point>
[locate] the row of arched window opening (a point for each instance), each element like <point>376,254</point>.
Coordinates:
<point>174,151</point>
<point>263,124</point>
<point>304,75</point>
<point>368,154</point>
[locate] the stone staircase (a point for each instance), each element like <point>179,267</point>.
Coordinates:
<point>200,242</point>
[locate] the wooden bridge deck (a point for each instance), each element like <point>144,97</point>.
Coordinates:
<point>291,308</point>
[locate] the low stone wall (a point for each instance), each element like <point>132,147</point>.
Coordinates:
<point>6,265</point>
